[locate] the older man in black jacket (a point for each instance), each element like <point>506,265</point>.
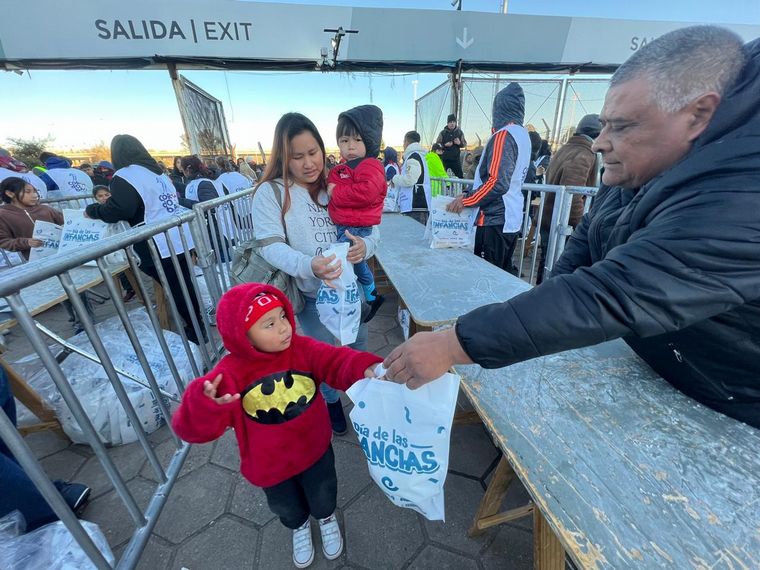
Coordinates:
<point>669,256</point>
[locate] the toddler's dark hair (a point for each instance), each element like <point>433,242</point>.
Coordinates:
<point>346,128</point>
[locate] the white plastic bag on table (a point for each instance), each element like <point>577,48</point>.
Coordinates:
<point>94,390</point>
<point>50,547</point>
<point>390,203</point>
<point>447,229</point>
<point>340,308</point>
<point>405,436</point>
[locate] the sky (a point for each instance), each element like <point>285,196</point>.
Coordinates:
<point>78,109</point>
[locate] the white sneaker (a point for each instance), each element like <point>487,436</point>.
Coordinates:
<point>332,541</point>
<point>303,548</point>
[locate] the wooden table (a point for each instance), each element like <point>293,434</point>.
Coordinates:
<point>38,298</point>
<point>438,285</point>
<point>626,471</point>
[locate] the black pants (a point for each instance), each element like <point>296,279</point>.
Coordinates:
<point>313,492</point>
<point>176,290</point>
<point>418,216</point>
<point>495,246</point>
<point>455,165</point>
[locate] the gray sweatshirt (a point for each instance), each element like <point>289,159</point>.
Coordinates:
<point>309,231</point>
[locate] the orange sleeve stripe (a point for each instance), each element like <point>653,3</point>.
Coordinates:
<point>498,148</point>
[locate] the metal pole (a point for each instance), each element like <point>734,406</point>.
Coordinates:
<point>177,85</point>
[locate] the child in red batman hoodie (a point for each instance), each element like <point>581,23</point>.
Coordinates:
<point>267,389</point>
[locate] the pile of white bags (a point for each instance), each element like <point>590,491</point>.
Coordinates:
<point>94,390</point>
<point>405,436</point>
<point>50,547</point>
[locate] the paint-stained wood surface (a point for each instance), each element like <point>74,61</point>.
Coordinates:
<point>628,472</point>
<point>438,285</point>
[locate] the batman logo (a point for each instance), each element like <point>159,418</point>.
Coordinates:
<point>279,397</point>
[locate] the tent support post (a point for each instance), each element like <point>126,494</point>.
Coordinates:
<point>177,84</point>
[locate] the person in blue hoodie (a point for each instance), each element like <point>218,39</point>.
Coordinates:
<point>497,189</point>
<point>62,180</point>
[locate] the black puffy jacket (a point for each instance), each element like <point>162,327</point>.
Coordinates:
<point>673,268</point>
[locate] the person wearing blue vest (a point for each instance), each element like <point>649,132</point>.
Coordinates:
<point>498,181</point>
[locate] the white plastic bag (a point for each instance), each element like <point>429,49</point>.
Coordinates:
<point>340,308</point>
<point>448,229</point>
<point>50,547</point>
<point>50,236</point>
<point>405,436</point>
<point>403,317</point>
<point>390,203</point>
<point>94,390</point>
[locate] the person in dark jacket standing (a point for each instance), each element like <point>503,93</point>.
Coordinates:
<point>497,188</point>
<point>668,258</point>
<point>451,138</point>
<point>573,165</point>
<point>141,193</point>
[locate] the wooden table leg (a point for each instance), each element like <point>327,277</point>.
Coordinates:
<point>133,282</point>
<point>162,307</point>
<point>548,553</point>
<point>488,513</point>
<point>32,400</point>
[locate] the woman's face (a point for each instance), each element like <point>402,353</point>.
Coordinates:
<point>27,198</point>
<point>307,162</point>
<point>178,164</point>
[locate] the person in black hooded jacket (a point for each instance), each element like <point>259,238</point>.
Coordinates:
<point>668,258</point>
<point>126,203</point>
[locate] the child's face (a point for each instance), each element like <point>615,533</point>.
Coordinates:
<point>102,196</point>
<point>272,332</point>
<point>351,147</point>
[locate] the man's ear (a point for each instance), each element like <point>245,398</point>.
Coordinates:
<point>701,112</point>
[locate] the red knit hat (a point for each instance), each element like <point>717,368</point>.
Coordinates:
<point>261,305</point>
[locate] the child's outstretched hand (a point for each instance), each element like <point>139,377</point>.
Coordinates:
<point>209,390</point>
<point>330,188</point>
<point>370,372</point>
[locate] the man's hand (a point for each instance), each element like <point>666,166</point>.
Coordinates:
<point>209,390</point>
<point>457,141</point>
<point>448,143</point>
<point>324,268</point>
<point>456,205</point>
<point>358,248</point>
<point>425,357</point>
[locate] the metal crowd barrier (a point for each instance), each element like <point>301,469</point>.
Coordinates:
<point>221,224</point>
<point>60,267</point>
<point>529,243</point>
<point>72,202</point>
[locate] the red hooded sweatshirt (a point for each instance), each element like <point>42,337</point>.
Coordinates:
<point>281,421</point>
<point>359,193</point>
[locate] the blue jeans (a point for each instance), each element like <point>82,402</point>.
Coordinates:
<point>363,273</point>
<point>313,327</point>
<point>17,490</point>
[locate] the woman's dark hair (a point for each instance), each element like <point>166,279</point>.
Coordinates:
<point>346,128</point>
<point>12,184</point>
<point>535,144</point>
<point>288,127</point>
<point>390,154</point>
<point>224,164</point>
<point>194,165</point>
<point>546,150</point>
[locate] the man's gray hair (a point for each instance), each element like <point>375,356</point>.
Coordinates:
<point>685,63</point>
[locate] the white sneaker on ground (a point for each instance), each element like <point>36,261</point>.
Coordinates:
<point>332,541</point>
<point>303,548</point>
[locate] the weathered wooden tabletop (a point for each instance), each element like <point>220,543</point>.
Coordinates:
<point>48,293</point>
<point>438,285</point>
<point>629,472</point>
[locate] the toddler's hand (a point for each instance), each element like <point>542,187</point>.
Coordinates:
<point>209,390</point>
<point>330,188</point>
<point>370,372</point>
